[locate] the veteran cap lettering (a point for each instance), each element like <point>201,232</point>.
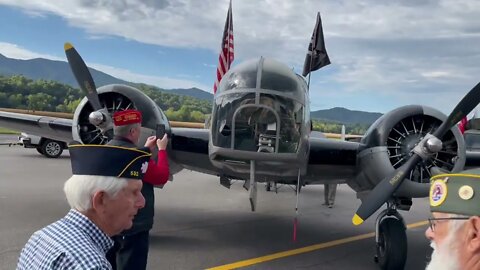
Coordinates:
<point>127,117</point>
<point>107,160</point>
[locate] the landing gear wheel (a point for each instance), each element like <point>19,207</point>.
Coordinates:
<point>392,245</point>
<point>51,149</point>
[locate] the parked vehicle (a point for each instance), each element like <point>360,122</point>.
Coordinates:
<point>45,146</point>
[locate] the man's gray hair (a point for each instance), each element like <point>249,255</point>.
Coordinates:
<point>456,224</point>
<point>124,131</point>
<point>79,189</point>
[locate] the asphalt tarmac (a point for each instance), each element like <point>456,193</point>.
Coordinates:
<point>199,224</point>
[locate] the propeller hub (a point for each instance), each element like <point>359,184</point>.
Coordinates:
<point>428,146</point>
<point>96,118</point>
<point>434,145</point>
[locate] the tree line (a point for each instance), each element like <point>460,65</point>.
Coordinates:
<point>334,127</point>
<point>20,92</point>
<point>45,95</point>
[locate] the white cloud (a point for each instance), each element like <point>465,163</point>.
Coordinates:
<point>14,51</point>
<point>163,82</point>
<point>433,74</point>
<point>275,27</point>
<point>209,65</point>
<point>400,46</point>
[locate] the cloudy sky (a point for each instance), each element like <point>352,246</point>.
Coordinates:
<point>384,54</point>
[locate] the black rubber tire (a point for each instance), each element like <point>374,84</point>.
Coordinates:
<point>51,148</point>
<point>392,247</point>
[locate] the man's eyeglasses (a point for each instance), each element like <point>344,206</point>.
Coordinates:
<point>433,221</point>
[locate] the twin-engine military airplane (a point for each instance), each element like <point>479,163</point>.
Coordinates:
<point>260,131</point>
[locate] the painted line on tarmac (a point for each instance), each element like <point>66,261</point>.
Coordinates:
<point>306,249</point>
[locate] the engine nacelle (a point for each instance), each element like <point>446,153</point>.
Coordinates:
<point>117,97</point>
<point>388,144</point>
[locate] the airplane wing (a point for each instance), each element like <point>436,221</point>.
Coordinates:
<point>189,145</point>
<point>190,149</point>
<point>331,161</point>
<point>50,127</point>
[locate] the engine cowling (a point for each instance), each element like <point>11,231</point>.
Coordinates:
<point>388,144</point>
<point>115,98</point>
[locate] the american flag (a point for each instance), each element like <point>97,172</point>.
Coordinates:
<point>226,56</point>
<point>463,124</point>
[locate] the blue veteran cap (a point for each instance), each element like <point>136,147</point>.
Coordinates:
<point>108,160</point>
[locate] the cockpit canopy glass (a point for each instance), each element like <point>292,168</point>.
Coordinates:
<point>259,106</point>
<point>271,125</point>
<point>274,76</point>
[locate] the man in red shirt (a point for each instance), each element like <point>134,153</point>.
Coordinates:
<point>131,247</point>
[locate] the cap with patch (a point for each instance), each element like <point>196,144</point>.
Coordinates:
<point>127,117</point>
<point>457,193</point>
<point>108,160</point>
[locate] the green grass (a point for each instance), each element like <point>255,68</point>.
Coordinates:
<point>8,131</point>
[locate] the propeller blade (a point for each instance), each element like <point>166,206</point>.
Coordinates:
<point>464,107</point>
<point>384,190</point>
<point>380,194</point>
<point>83,76</point>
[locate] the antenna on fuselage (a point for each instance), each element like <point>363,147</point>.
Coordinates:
<point>315,59</point>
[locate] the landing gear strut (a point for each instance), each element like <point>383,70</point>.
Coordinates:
<point>391,239</point>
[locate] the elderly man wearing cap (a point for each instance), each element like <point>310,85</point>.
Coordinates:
<point>104,196</point>
<point>454,229</point>
<point>131,247</point>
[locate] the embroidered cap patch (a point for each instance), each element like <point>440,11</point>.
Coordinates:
<point>438,192</point>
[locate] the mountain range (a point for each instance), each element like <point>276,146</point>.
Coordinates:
<point>345,116</point>
<point>45,69</point>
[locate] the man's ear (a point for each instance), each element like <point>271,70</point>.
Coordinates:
<point>98,200</point>
<point>473,234</point>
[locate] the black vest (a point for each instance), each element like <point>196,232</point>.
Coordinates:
<point>143,221</point>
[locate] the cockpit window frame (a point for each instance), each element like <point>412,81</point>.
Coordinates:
<point>258,91</point>
<point>297,97</point>
<point>257,100</point>
<point>277,118</point>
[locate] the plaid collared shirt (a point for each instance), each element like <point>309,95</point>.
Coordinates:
<point>73,242</point>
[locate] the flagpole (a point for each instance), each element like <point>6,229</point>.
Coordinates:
<point>314,39</point>
<point>317,46</point>
<point>310,73</point>
<point>229,27</point>
<point>226,49</point>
